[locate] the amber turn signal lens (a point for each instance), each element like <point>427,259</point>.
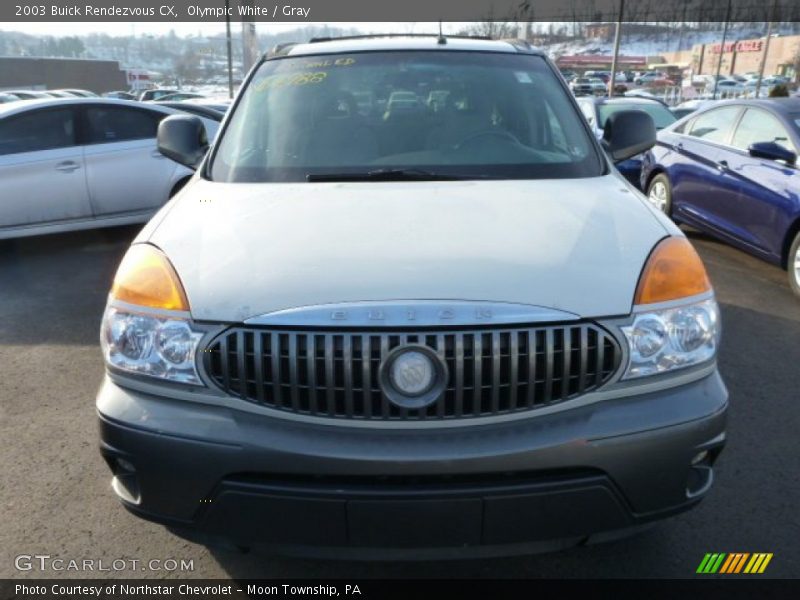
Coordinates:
<point>674,270</point>
<point>146,278</point>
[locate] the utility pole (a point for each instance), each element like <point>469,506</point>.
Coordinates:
<point>764,55</point>
<point>722,49</point>
<point>228,41</point>
<point>617,36</point>
<point>249,38</point>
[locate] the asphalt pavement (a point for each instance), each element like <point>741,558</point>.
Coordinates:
<point>55,497</point>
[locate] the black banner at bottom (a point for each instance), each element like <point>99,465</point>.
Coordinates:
<point>377,589</point>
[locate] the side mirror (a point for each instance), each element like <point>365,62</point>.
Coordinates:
<point>772,151</point>
<point>183,139</point>
<point>628,133</point>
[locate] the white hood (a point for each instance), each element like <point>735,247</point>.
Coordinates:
<point>243,250</point>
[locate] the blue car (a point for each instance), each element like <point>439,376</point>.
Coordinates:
<point>731,170</point>
<point>597,110</point>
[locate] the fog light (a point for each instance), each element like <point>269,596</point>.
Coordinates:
<point>700,457</point>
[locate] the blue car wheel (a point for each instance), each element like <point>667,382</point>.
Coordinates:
<point>793,265</point>
<point>659,193</point>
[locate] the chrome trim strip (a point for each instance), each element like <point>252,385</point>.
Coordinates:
<point>412,313</point>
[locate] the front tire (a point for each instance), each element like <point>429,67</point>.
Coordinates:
<point>659,194</point>
<point>793,265</point>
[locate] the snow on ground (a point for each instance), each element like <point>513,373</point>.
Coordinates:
<point>658,43</point>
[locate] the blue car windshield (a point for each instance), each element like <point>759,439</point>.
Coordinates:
<point>459,114</point>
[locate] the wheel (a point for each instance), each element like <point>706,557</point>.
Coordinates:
<point>659,193</point>
<point>793,265</point>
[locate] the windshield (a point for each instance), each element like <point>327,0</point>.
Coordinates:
<point>662,116</point>
<point>463,115</point>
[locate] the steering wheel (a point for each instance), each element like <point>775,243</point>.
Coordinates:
<point>500,134</point>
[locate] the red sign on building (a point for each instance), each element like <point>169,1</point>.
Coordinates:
<point>743,46</point>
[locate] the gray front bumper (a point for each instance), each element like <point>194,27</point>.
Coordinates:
<point>604,466</point>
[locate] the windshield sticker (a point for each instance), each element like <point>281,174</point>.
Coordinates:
<point>523,77</point>
<point>274,82</point>
<point>317,64</point>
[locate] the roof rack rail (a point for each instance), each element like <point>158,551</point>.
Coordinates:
<point>366,36</point>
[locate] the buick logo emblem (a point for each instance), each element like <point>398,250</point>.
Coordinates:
<point>412,373</point>
<point>413,376</point>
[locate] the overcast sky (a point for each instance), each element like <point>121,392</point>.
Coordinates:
<point>183,29</point>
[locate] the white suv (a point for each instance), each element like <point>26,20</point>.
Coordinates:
<point>406,305</point>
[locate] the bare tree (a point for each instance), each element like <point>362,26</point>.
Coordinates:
<point>493,28</point>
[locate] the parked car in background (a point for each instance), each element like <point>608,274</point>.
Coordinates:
<point>79,163</point>
<point>731,171</point>
<point>653,79</point>
<point>120,95</point>
<point>219,104</point>
<point>155,94</point>
<point>604,76</point>
<point>581,86</point>
<point>406,332</point>
<point>598,110</point>
<point>213,112</point>
<point>29,94</point>
<point>80,93</point>
<point>6,97</point>
<point>180,96</point>
<point>599,87</point>
<point>640,93</point>
<point>726,87</point>
<point>60,94</point>
<point>687,107</point>
<point>568,74</point>
<point>682,111</point>
<point>767,84</point>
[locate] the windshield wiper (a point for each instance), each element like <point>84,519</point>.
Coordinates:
<point>390,175</point>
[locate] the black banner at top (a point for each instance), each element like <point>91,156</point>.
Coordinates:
<point>400,10</point>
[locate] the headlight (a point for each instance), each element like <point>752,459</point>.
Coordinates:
<point>671,328</point>
<point>163,347</point>
<point>146,328</point>
<point>672,338</point>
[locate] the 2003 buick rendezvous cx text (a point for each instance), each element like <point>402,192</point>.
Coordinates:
<point>405,306</point>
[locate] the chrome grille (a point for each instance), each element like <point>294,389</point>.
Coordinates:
<point>335,373</point>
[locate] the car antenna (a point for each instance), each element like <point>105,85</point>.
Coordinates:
<point>441,39</point>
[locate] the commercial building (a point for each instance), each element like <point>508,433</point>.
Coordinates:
<point>741,56</point>
<point>54,73</point>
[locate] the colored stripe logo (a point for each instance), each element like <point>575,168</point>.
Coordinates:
<point>734,563</point>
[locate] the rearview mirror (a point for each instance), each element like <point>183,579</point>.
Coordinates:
<point>183,139</point>
<point>772,151</point>
<point>627,133</point>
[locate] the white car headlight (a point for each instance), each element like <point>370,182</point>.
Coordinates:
<point>146,328</point>
<point>162,347</point>
<point>672,338</point>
